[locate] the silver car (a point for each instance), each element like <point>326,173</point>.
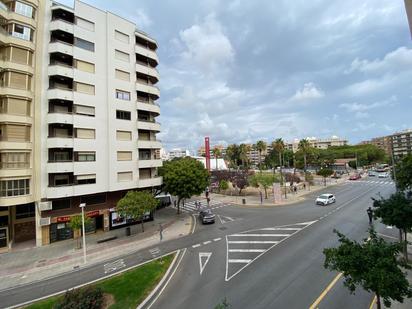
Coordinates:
<point>325,199</point>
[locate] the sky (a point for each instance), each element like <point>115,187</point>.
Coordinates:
<point>240,70</point>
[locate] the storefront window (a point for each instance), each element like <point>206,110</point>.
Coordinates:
<point>94,199</point>
<point>61,204</point>
<point>25,211</point>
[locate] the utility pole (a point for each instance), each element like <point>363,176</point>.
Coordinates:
<point>82,206</point>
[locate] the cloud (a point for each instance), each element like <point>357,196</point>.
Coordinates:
<point>308,92</point>
<point>361,107</point>
<point>143,20</point>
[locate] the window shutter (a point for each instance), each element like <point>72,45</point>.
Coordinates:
<point>122,75</point>
<point>124,156</point>
<point>84,177</point>
<point>124,135</point>
<point>85,88</point>
<point>85,133</point>
<point>124,176</point>
<point>17,133</point>
<point>85,24</point>
<point>84,110</point>
<point>19,55</point>
<point>18,80</point>
<point>85,66</point>
<point>121,36</point>
<point>18,107</point>
<point>121,55</point>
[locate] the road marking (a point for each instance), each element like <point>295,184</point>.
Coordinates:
<point>243,261</point>
<point>197,245</point>
<point>113,266</point>
<point>194,224</point>
<point>328,288</point>
<point>281,229</point>
<point>217,239</point>
<point>247,250</point>
<point>252,242</point>
<point>203,262</point>
<point>373,302</point>
<point>207,242</point>
<point>258,235</point>
<point>154,251</point>
<point>224,219</point>
<point>389,227</point>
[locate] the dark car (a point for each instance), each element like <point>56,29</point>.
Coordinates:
<point>206,216</point>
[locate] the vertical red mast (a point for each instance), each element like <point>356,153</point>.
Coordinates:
<point>207,153</point>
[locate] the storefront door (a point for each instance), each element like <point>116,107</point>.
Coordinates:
<point>3,237</point>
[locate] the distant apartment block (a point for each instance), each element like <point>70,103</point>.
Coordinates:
<point>408,7</point>
<point>401,143</point>
<point>317,143</point>
<point>77,117</point>
<point>201,152</point>
<point>178,153</point>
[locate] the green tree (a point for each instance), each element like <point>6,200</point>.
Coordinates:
<point>244,150</point>
<point>372,265</point>
<point>184,178</point>
<point>263,180</point>
<point>279,146</point>
<point>305,148</point>
<point>396,211</point>
<point>135,204</point>
<point>403,171</point>
<point>223,185</point>
<point>325,172</point>
<point>223,305</point>
<point>232,155</point>
<point>216,153</point>
<point>260,147</point>
<point>75,224</point>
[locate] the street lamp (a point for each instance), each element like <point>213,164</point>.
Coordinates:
<point>82,206</point>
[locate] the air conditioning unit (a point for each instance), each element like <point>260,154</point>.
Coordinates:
<point>45,206</point>
<point>44,221</point>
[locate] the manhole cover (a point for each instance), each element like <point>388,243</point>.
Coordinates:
<point>222,228</point>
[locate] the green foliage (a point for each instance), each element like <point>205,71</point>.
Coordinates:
<point>403,170</point>
<point>372,265</point>
<point>223,305</point>
<point>75,222</point>
<point>223,185</point>
<point>308,177</point>
<point>184,178</point>
<point>325,172</point>
<point>135,204</point>
<point>85,298</point>
<point>263,180</point>
<point>244,149</point>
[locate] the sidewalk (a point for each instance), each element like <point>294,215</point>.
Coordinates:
<point>254,200</point>
<point>28,264</point>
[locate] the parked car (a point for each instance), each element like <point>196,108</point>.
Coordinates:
<point>355,177</point>
<point>206,216</point>
<point>325,199</point>
<point>371,174</point>
<point>383,175</point>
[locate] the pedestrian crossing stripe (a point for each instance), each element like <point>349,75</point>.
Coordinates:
<point>370,182</point>
<point>242,249</point>
<point>191,207</point>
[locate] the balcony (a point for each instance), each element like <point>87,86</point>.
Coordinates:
<point>150,182</point>
<point>59,24</point>
<point>148,89</point>
<point>144,51</point>
<point>150,163</point>
<point>147,70</point>
<point>149,144</point>
<point>60,47</point>
<point>60,69</point>
<point>60,118</point>
<point>149,107</point>
<point>148,125</point>
<point>60,167</point>
<point>59,192</point>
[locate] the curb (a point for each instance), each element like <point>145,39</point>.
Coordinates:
<point>157,291</point>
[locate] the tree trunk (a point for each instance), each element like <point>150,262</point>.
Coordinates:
<point>304,161</point>
<point>378,301</point>
<point>142,225</point>
<point>324,181</point>
<point>406,247</point>
<point>266,193</point>
<point>400,235</point>
<point>178,205</point>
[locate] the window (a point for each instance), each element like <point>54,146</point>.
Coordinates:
<point>18,80</point>
<point>15,133</point>
<point>145,155</point>
<point>20,55</point>
<point>85,133</point>
<point>85,24</point>
<point>61,156</point>
<point>84,88</point>
<point>120,36</point>
<point>15,106</point>
<point>123,135</point>
<point>124,176</point>
<point>61,180</point>
<point>85,156</point>
<point>145,173</point>
<point>124,156</point>
<point>84,44</point>
<point>122,95</point>
<point>124,115</point>
<point>14,187</point>
<point>22,32</point>
<point>23,9</point>
<point>85,179</point>
<point>123,76</point>
<point>121,55</point>
<point>93,199</point>
<point>61,204</point>
<point>84,66</point>
<point>25,211</point>
<point>84,110</point>
<point>11,160</point>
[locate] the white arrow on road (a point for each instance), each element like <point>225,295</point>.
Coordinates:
<point>203,259</point>
<point>224,219</point>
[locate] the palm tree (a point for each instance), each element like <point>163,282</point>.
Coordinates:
<point>244,149</point>
<point>232,154</point>
<point>279,146</point>
<point>216,153</point>
<point>260,147</point>
<point>304,146</point>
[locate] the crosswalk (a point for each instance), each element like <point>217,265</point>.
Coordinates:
<point>371,182</point>
<point>190,206</point>
<point>246,247</point>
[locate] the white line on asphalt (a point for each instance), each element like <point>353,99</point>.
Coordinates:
<point>207,242</point>
<point>281,229</point>
<point>244,261</point>
<point>197,245</point>
<point>252,242</point>
<point>217,239</point>
<point>387,236</point>
<point>258,235</point>
<point>202,263</point>
<point>194,224</point>
<point>247,250</point>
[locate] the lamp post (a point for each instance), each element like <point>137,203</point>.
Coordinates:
<point>82,206</point>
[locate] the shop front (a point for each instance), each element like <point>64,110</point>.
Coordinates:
<point>117,221</point>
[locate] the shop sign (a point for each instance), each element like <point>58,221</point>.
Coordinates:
<point>92,214</point>
<point>63,219</point>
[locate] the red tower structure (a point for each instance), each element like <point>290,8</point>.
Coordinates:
<point>207,153</point>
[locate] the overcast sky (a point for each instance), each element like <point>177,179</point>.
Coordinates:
<point>242,70</point>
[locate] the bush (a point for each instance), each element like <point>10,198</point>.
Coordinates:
<point>86,298</point>
<point>223,185</point>
<point>290,177</point>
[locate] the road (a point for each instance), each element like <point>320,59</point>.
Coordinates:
<point>254,257</point>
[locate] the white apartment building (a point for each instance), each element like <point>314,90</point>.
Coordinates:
<point>178,153</point>
<point>318,143</point>
<point>95,125</point>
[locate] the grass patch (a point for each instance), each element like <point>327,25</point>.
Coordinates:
<point>128,289</point>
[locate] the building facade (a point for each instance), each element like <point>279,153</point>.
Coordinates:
<point>94,135</point>
<point>401,144</point>
<point>178,153</point>
<point>317,143</point>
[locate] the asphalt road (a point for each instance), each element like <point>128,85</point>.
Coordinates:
<point>254,257</point>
